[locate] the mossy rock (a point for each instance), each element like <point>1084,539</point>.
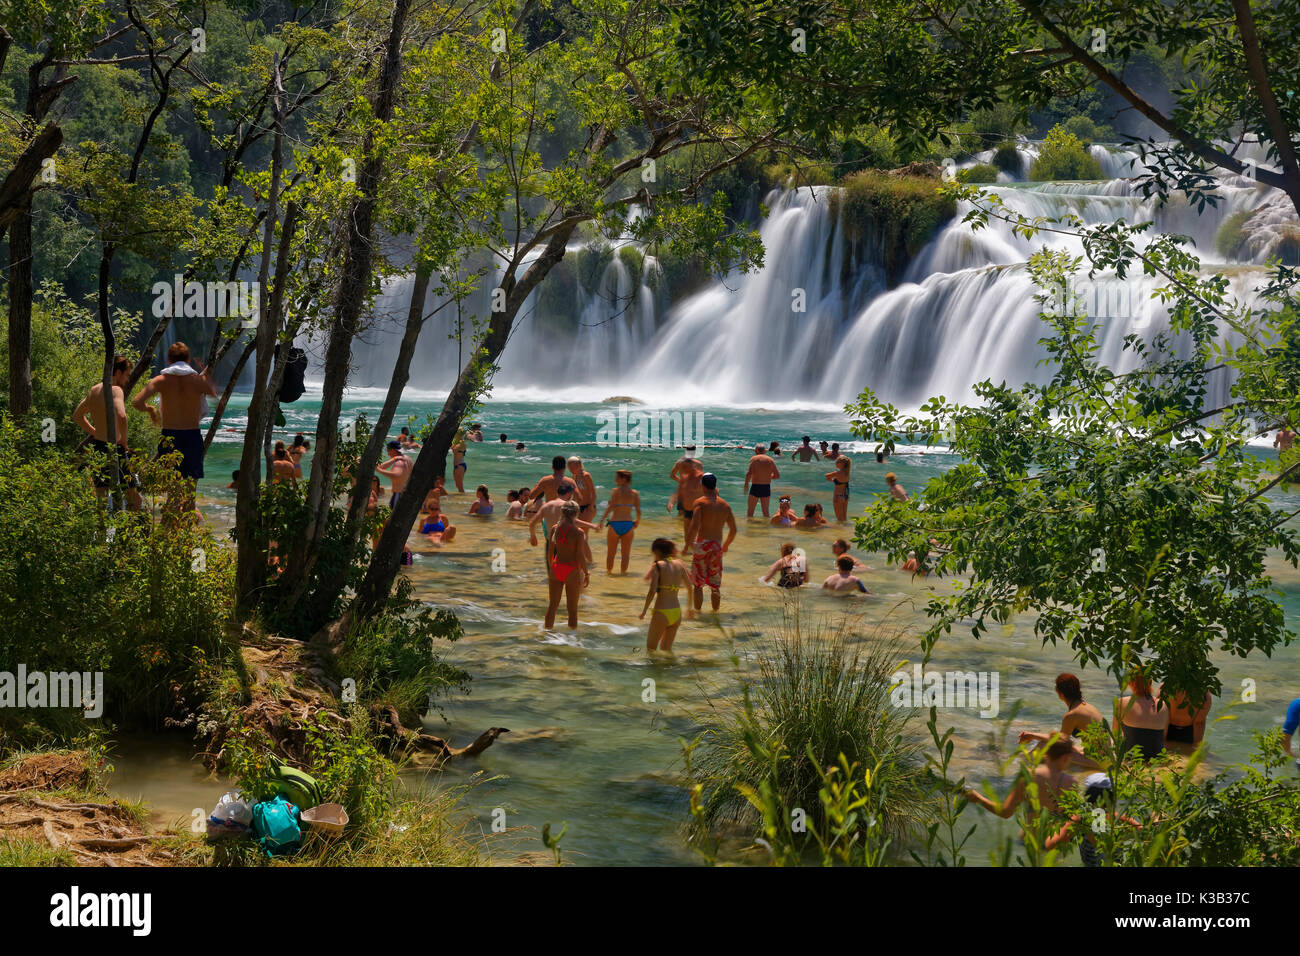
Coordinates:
<point>887,218</point>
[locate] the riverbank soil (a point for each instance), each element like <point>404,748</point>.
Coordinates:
<point>38,818</point>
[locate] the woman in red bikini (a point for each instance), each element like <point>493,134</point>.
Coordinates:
<point>567,558</point>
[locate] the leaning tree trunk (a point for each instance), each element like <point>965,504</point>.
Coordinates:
<point>333,586</point>
<point>354,287</point>
<point>373,593</point>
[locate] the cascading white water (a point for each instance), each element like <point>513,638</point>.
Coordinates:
<point>802,329</point>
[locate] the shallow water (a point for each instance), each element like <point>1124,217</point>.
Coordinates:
<point>586,745</point>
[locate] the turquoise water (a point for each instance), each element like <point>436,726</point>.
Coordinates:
<point>586,747</point>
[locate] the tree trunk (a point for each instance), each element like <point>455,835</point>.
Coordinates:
<point>226,393</point>
<point>332,587</point>
<point>250,568</point>
<point>354,285</point>
<point>20,313</point>
<point>373,593</point>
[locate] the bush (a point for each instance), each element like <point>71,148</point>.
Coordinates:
<point>141,596</point>
<point>1006,157</point>
<point>1087,132</point>
<point>980,173</point>
<point>818,701</point>
<point>1063,156</point>
<point>67,359</point>
<point>890,216</point>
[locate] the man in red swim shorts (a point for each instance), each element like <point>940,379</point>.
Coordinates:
<point>704,537</point>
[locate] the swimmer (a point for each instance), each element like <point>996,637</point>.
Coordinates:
<point>774,449</point>
<point>585,495</point>
<point>406,440</point>
<point>436,527</point>
<point>297,450</point>
<point>759,476</point>
<point>625,505</point>
<point>840,478</point>
<point>809,519</point>
<point>482,504</point>
<point>785,516</point>
<point>896,491</point>
<point>689,488</point>
<point>844,579</point>
<point>666,576</point>
<point>1050,778</point>
<point>1079,715</point>
<point>567,558</point>
<point>806,452</point>
<point>553,509</point>
<point>840,548</point>
<point>397,470</point>
<point>281,465</point>
<point>545,488</point>
<point>791,566</point>
<point>704,536</point>
<point>515,508</point>
<point>458,465</point>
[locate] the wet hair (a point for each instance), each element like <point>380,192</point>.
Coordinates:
<point>504,436</point>
<point>809,510</point>
<point>839,543</point>
<point>121,364</point>
<point>179,352</point>
<point>483,490</point>
<point>623,473</point>
<point>234,475</point>
<point>880,457</point>
<point>774,445</point>
<point>281,453</point>
<point>557,463</point>
<point>1059,748</point>
<point>844,563</point>
<point>519,446</point>
<point>299,440</point>
<point>806,439</point>
<point>709,481</point>
<point>1067,685</point>
<point>835,446</point>
<point>565,488</point>
<point>663,547</point>
<point>569,509</point>
<point>525,491</point>
<point>787,548</point>
<point>512,495</point>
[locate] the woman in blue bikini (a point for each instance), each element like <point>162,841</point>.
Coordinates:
<point>623,502</point>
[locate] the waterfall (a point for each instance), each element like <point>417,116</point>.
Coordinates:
<point>806,329</point>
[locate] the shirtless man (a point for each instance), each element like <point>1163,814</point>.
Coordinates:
<point>704,536</point>
<point>1285,456</point>
<point>759,476</point>
<point>585,496</point>
<point>406,439</point>
<point>840,548</point>
<point>844,579</point>
<point>181,391</point>
<point>896,491</point>
<point>1050,777</point>
<point>282,468</point>
<point>551,511</point>
<point>689,489</point>
<point>625,505</point>
<point>397,469</point>
<point>680,467</point>
<point>546,488</point>
<point>90,416</point>
<point>805,452</point>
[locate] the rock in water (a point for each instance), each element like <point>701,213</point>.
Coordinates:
<point>622,400</point>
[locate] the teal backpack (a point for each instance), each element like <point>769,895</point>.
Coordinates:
<point>276,826</point>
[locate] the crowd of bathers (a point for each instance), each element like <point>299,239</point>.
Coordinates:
<point>1149,723</point>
